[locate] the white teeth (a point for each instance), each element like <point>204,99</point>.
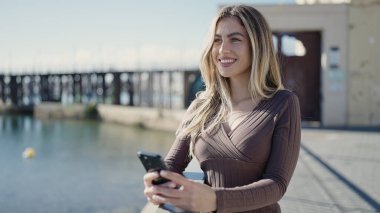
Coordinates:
<point>225,61</point>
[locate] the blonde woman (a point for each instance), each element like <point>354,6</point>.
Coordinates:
<point>244,129</point>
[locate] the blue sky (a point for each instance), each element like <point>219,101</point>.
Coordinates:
<point>62,35</point>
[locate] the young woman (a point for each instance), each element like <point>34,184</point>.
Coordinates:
<point>244,129</point>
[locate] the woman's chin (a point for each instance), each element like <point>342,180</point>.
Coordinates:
<point>225,73</point>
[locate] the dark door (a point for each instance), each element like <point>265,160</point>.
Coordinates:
<point>300,61</point>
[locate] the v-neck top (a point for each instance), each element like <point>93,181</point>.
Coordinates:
<point>250,167</point>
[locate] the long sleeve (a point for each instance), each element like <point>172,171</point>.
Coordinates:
<point>178,156</point>
<point>279,168</point>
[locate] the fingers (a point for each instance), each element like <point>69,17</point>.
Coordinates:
<point>187,197</point>
<point>149,177</point>
<point>161,199</point>
<point>167,192</point>
<point>175,177</point>
<point>151,191</point>
<point>169,184</point>
<point>158,194</point>
<point>153,201</point>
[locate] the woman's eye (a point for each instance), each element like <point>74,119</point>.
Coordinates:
<point>235,40</point>
<point>217,40</point>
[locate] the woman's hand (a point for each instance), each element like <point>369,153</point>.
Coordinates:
<point>151,190</point>
<point>191,195</point>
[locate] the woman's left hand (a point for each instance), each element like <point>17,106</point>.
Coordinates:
<point>191,195</point>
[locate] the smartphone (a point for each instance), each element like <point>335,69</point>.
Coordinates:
<point>153,162</point>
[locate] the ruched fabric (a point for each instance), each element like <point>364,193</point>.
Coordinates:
<point>249,167</point>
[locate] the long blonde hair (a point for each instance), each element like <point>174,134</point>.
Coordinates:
<point>213,104</point>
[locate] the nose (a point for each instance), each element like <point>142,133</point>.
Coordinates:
<point>224,47</point>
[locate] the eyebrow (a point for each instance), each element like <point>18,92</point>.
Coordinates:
<point>231,34</point>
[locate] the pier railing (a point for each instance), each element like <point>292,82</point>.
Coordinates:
<point>163,89</point>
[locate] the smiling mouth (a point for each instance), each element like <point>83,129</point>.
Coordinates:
<point>227,62</point>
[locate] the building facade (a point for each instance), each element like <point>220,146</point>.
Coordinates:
<point>336,48</point>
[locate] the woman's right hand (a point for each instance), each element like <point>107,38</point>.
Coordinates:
<point>151,190</point>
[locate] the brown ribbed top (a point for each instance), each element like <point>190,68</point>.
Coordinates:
<point>250,166</point>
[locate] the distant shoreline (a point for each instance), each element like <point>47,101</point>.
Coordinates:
<point>150,118</point>
<point>143,117</point>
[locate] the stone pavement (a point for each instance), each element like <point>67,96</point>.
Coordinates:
<point>338,171</point>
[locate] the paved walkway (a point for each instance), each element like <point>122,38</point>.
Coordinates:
<point>338,171</point>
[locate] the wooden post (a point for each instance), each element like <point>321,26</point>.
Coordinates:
<point>14,89</point>
<point>117,88</point>
<point>150,89</point>
<point>139,90</point>
<point>170,90</point>
<point>130,88</point>
<point>44,88</point>
<point>2,88</point>
<point>104,87</point>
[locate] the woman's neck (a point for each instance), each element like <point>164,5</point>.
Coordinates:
<point>241,98</point>
<point>239,90</point>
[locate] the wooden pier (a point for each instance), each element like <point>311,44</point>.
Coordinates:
<point>158,89</point>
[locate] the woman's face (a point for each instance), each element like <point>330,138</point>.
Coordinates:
<point>231,49</point>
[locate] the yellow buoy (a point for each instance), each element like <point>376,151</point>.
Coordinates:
<point>29,153</point>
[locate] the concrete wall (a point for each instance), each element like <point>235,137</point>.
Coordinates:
<point>332,22</point>
<point>364,63</point>
<point>59,111</point>
<point>153,118</point>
